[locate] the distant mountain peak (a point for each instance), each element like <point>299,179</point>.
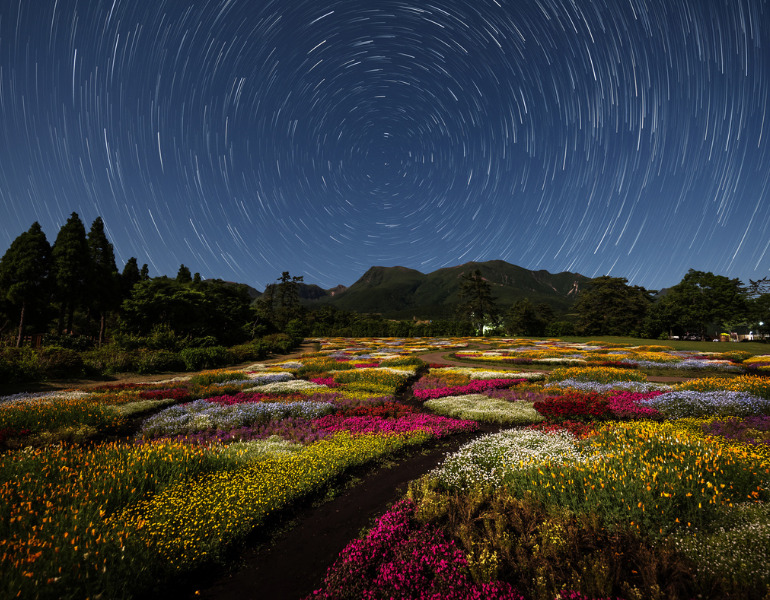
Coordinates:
<point>401,292</point>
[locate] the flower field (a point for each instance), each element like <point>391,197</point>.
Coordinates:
<point>214,456</point>
<point>598,482</point>
<point>610,486</point>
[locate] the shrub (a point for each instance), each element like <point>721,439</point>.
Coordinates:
<point>158,361</point>
<point>254,350</point>
<point>19,364</point>
<point>196,359</point>
<point>279,343</point>
<point>56,362</point>
<point>111,359</point>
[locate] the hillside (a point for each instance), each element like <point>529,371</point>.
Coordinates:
<point>400,292</point>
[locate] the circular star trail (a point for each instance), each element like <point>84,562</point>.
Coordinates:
<point>247,138</point>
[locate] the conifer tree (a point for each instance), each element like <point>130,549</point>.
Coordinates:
<point>477,303</point>
<point>183,275</point>
<point>24,272</point>
<point>70,266</point>
<point>103,288</point>
<point>129,277</point>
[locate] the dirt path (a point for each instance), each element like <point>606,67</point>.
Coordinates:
<point>295,562</point>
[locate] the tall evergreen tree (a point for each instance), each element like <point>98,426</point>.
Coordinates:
<point>144,273</point>
<point>70,268</point>
<point>24,272</point>
<point>477,303</point>
<point>104,295</point>
<point>287,295</point>
<point>183,275</point>
<point>129,277</point>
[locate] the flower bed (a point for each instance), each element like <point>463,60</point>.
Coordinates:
<point>473,387</point>
<point>479,407</point>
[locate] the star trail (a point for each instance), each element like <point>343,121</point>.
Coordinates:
<point>244,138</point>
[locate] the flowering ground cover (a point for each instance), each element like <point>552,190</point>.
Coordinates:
<point>625,489</point>
<point>232,449</point>
<point>627,356</point>
<point>609,486</point>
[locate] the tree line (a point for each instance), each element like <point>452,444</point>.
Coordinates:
<point>73,290</point>
<point>700,306</point>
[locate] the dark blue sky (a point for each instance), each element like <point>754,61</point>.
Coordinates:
<point>248,137</point>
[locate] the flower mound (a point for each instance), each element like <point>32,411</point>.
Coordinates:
<point>474,387</point>
<point>401,559</point>
<point>435,425</point>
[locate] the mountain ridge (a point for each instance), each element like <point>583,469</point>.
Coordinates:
<point>401,292</point>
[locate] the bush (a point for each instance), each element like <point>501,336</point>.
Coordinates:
<point>280,343</point>
<point>57,362</point>
<point>111,359</point>
<point>19,364</point>
<point>255,350</point>
<point>158,361</point>
<point>196,359</point>
<point>202,342</point>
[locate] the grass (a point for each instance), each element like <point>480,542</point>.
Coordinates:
<point>751,347</point>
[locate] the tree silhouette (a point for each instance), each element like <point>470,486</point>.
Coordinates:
<point>24,272</point>
<point>476,301</point>
<point>70,269</point>
<point>183,275</point>
<point>104,293</point>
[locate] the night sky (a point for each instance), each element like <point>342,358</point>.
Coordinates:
<point>244,138</point>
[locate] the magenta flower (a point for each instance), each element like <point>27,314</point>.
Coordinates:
<point>474,387</point>
<point>400,558</point>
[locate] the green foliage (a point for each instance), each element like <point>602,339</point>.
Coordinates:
<point>159,361</point>
<point>476,302</point>
<point>57,362</point>
<point>701,300</point>
<point>522,318</point>
<point>560,329</point>
<point>20,364</point>
<point>254,350</point>
<point>111,359</point>
<point>196,359</point>
<point>70,269</point>
<point>129,277</point>
<point>24,275</point>
<point>73,342</point>
<point>611,307</point>
<point>103,284</point>
<point>211,308</point>
<point>183,275</point>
